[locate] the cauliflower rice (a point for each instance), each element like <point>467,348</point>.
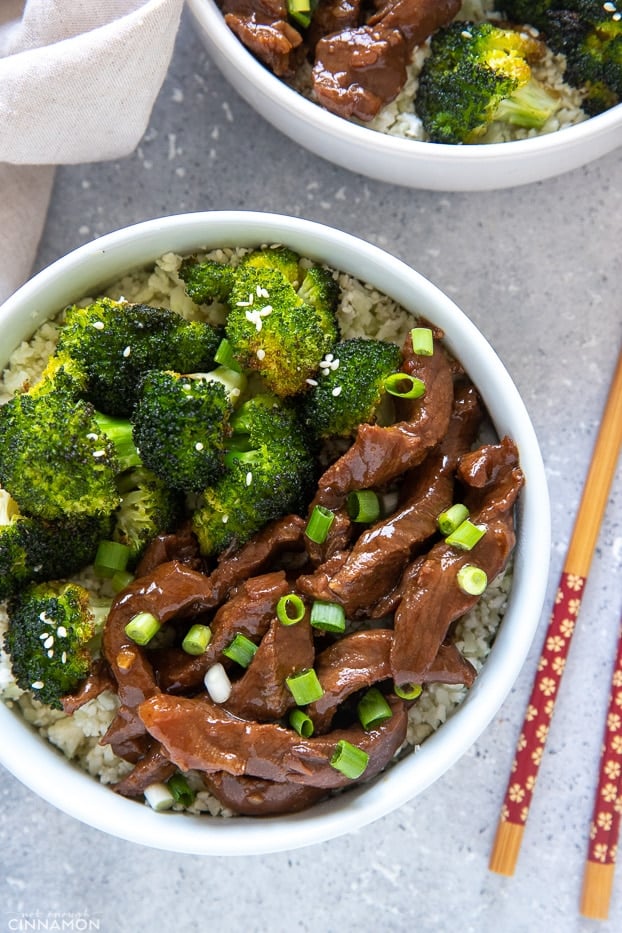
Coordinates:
<point>363,311</point>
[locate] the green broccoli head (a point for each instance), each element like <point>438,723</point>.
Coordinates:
<point>54,460</point>
<point>274,332</point>
<point>35,549</point>
<point>50,638</point>
<point>116,343</point>
<point>527,12</point>
<point>206,280</point>
<point>180,427</point>
<point>477,74</point>
<point>320,289</point>
<point>149,507</point>
<point>351,387</point>
<point>280,258</point>
<point>270,472</point>
<point>591,39</point>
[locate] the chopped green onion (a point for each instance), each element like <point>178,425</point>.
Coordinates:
<point>329,617</point>
<point>466,535</point>
<point>407,691</point>
<point>181,790</point>
<point>403,385</point>
<point>373,709</point>
<point>290,609</point>
<point>363,505</point>
<point>142,627</point>
<point>349,759</point>
<point>319,524</point>
<point>422,341</point>
<point>451,518</point>
<point>159,797</point>
<point>224,356</point>
<point>472,580</point>
<point>305,687</point>
<point>120,579</point>
<point>302,723</point>
<point>241,649</point>
<point>110,557</point>
<point>197,639</point>
<point>300,11</point>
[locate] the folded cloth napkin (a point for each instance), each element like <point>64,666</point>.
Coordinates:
<point>78,80</point>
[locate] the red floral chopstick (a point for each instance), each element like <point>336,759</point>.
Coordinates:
<point>607,812</point>
<point>558,636</point>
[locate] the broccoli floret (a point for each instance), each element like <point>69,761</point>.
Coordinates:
<point>280,258</point>
<point>54,460</point>
<point>149,507</point>
<point>527,12</point>
<point>270,472</point>
<point>206,280</point>
<point>350,389</point>
<point>591,39</point>
<point>477,74</point>
<point>274,332</point>
<point>35,549</point>
<point>51,638</point>
<point>180,427</point>
<point>320,290</point>
<point>116,343</point>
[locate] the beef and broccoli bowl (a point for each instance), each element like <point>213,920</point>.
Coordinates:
<point>258,525</point>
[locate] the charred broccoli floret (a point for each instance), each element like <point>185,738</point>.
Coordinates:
<point>274,332</point>
<point>116,343</point>
<point>35,549</point>
<point>350,388</point>
<point>270,471</point>
<point>180,427</point>
<point>149,507</point>
<point>206,280</point>
<point>477,74</point>
<point>51,638</point>
<point>54,459</point>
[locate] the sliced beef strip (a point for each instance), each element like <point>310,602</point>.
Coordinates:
<point>272,43</point>
<point>181,545</point>
<point>250,796</point>
<point>332,16</point>
<point>379,556</point>
<point>362,659</point>
<point>316,585</point>
<point>358,70</point>
<point>261,693</point>
<point>337,539</point>
<point>197,734</point>
<point>152,768</point>
<point>98,680</point>
<point>432,600</point>
<point>379,454</point>
<point>415,19</point>
<point>249,610</point>
<point>170,591</point>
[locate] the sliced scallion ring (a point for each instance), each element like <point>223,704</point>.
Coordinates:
<point>181,790</point>
<point>305,687</point>
<point>403,385</point>
<point>472,580</point>
<point>466,535</point>
<point>290,609</point>
<point>241,650</point>
<point>110,558</point>
<point>363,506</point>
<point>422,341</point>
<point>319,524</point>
<point>197,639</point>
<point>328,617</point>
<point>373,709</point>
<point>407,691</point>
<point>142,627</point>
<point>349,759</point>
<point>452,518</point>
<point>302,723</point>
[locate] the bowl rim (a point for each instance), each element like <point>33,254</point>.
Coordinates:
<point>81,796</point>
<point>320,120</point>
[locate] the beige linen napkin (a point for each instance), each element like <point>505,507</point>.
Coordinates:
<point>78,80</point>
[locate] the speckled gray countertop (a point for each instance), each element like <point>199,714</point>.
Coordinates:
<point>537,268</point>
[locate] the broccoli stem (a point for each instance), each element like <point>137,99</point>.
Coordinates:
<point>119,431</point>
<point>529,106</point>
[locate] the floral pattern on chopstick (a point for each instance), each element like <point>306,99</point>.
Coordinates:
<point>530,746</point>
<point>608,799</point>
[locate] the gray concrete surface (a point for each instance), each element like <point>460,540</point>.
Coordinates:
<point>538,270</point>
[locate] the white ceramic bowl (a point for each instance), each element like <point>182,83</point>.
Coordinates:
<point>38,765</point>
<point>400,161</point>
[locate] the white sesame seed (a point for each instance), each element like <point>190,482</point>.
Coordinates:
<point>261,354</point>
<point>225,519</point>
<point>38,684</point>
<point>50,653</point>
<point>609,7</point>
<point>336,391</point>
<point>49,641</point>
<point>98,325</point>
<point>91,436</point>
<point>99,453</point>
<point>63,657</point>
<point>328,357</point>
<point>44,635</point>
<point>61,632</point>
<point>334,364</point>
<point>249,478</point>
<point>198,446</point>
<point>311,382</point>
<point>262,292</point>
<point>127,352</point>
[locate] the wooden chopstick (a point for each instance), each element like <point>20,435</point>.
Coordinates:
<point>605,823</point>
<point>558,637</point>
